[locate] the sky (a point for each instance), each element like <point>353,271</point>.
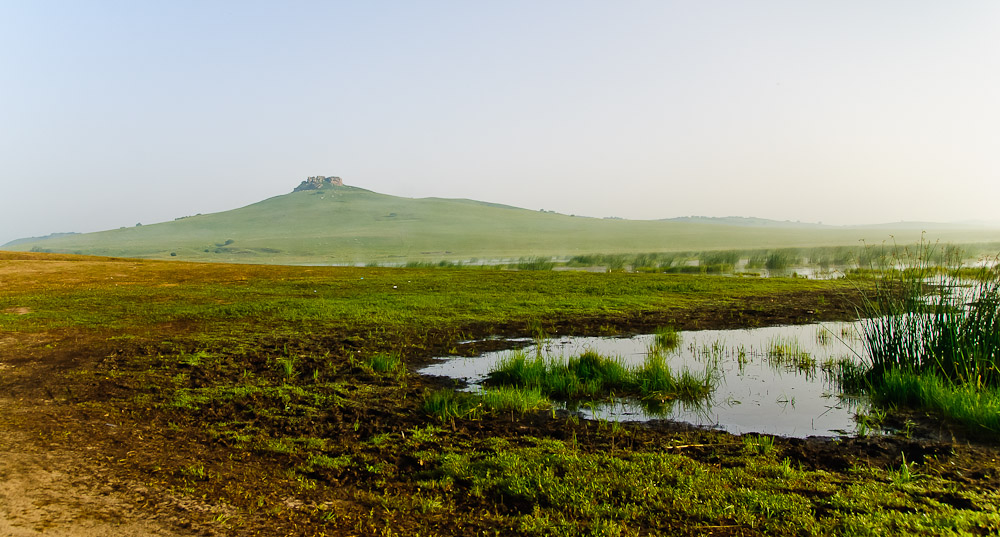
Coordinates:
<point>842,112</point>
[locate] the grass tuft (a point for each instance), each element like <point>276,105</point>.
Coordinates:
<point>507,398</point>
<point>758,444</point>
<point>383,362</point>
<point>448,405</point>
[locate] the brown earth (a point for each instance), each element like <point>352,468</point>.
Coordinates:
<point>57,491</point>
<point>53,484</point>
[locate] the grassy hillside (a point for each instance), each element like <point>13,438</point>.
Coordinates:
<point>352,225</point>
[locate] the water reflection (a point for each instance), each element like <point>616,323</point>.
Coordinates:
<point>776,380</point>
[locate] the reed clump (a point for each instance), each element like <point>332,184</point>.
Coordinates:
<point>933,340</point>
<point>774,259</point>
<point>950,328</point>
<point>535,263</point>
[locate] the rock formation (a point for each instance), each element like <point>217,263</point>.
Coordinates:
<point>318,182</point>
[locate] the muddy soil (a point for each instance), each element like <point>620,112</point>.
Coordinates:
<point>53,484</point>
<point>47,489</point>
<point>58,471</point>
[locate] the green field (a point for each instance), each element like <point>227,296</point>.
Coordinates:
<point>273,400</point>
<point>348,225</point>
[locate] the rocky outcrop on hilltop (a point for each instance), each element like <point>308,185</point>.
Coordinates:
<point>318,182</point>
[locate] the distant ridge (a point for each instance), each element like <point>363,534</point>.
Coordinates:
<point>34,239</point>
<point>324,221</point>
<point>916,225</point>
<point>742,221</point>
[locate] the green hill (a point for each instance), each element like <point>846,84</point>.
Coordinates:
<point>343,224</point>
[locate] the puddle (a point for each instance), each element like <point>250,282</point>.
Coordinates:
<point>774,380</point>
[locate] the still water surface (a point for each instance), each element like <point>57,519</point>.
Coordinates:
<point>761,389</point>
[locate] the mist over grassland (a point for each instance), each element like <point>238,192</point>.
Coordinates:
<point>348,225</point>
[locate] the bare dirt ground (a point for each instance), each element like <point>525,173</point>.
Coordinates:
<point>59,493</point>
<point>59,488</point>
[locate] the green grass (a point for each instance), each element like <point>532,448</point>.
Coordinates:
<point>957,337</point>
<point>566,491</point>
<point>127,295</point>
<point>758,444</point>
<point>449,405</point>
<point>975,407</point>
<point>535,263</point>
<point>508,398</point>
<point>593,376</point>
<point>947,327</point>
<point>286,366</point>
<point>772,260</point>
<point>386,362</point>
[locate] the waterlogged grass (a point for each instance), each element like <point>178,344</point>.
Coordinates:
<point>775,259</point>
<point>725,261</point>
<point>920,320</point>
<point>593,376</point>
<point>583,376</point>
<point>786,352</point>
<point>535,263</point>
<point>666,338</point>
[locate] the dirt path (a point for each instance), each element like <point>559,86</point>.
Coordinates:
<point>58,493</point>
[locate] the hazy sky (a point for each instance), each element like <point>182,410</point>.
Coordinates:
<point>118,112</point>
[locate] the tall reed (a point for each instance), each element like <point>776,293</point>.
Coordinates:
<point>933,340</point>
<point>920,320</point>
<point>535,263</point>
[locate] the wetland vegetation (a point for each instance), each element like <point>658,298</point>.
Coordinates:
<point>817,261</point>
<point>275,400</point>
<point>784,380</point>
<point>591,375</point>
<point>932,338</point>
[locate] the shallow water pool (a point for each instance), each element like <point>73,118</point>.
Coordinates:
<point>777,380</point>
